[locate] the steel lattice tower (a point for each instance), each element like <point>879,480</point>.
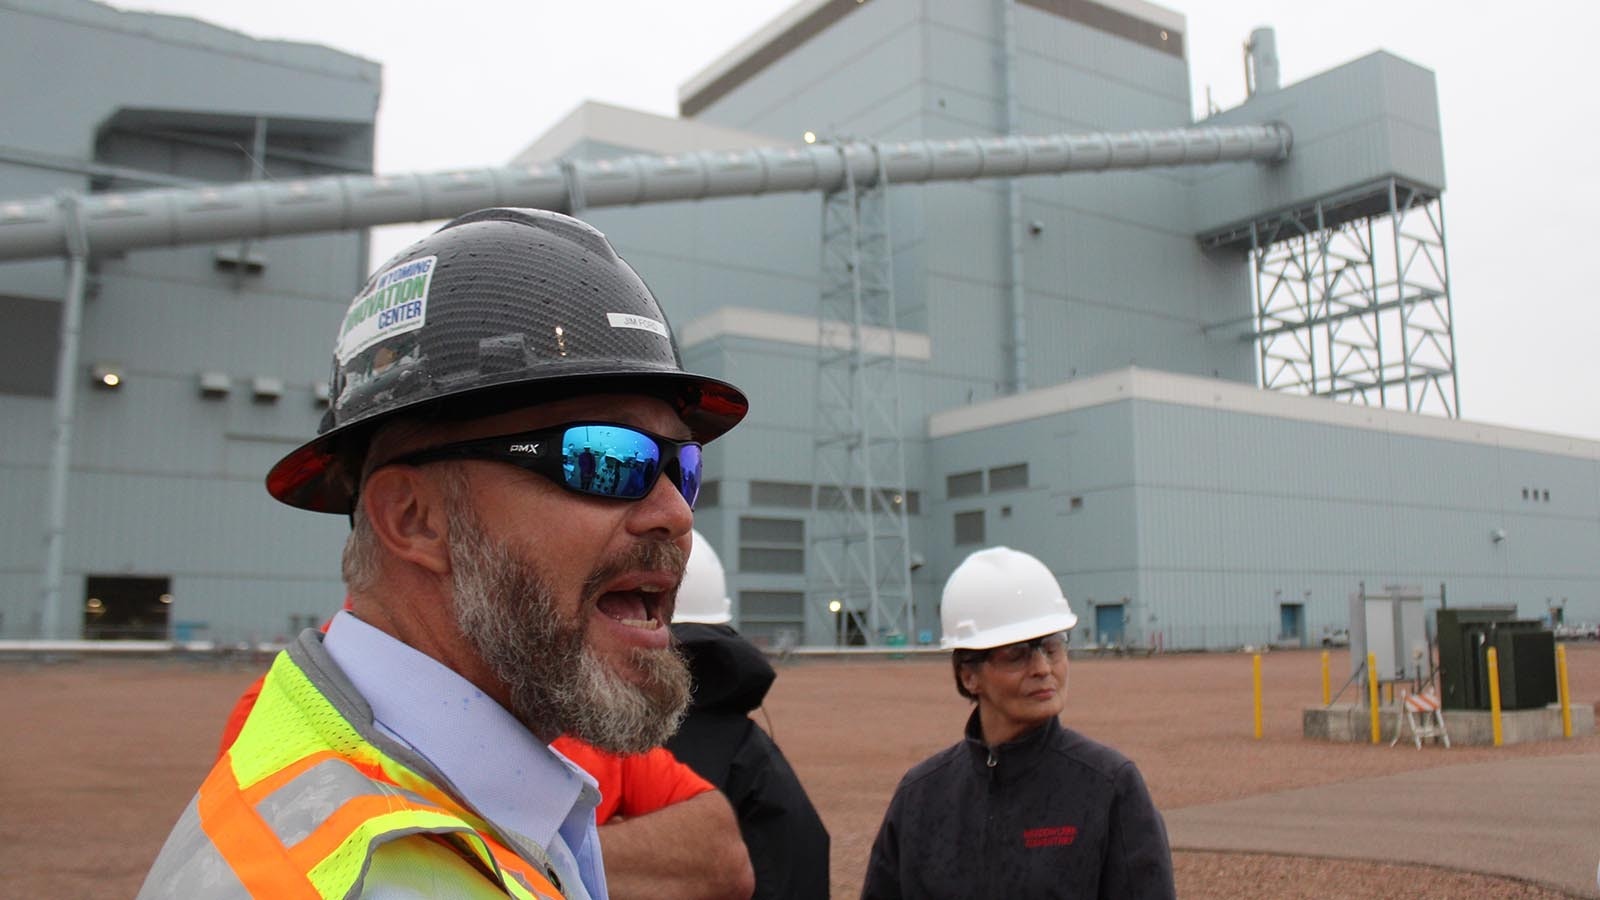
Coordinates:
<point>1352,299</point>
<point>860,543</point>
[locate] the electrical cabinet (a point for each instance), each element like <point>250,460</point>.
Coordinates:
<point>1526,652</point>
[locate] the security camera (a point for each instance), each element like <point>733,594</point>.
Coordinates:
<point>917,561</point>
<point>1497,535</point>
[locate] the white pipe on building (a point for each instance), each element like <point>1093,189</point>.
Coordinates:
<point>1019,286</point>
<point>168,217</point>
<point>66,396</point>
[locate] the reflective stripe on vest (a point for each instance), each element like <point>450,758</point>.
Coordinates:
<point>301,801</point>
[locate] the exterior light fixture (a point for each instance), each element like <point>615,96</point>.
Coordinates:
<point>215,385</point>
<point>107,376</point>
<point>834,606</point>
<point>810,137</point>
<point>266,389</point>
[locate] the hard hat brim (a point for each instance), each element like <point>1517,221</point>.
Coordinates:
<point>1011,634</point>
<point>315,476</point>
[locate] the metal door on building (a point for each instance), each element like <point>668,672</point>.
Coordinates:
<point>1108,625</point>
<point>1292,623</point>
<point>122,607</point>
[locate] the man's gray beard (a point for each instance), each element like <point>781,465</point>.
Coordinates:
<point>507,609</point>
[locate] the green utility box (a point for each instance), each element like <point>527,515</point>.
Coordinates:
<point>1526,651</point>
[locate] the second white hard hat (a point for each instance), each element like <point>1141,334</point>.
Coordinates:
<point>703,596</point>
<point>999,596</point>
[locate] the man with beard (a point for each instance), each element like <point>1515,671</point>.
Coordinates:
<point>496,601</point>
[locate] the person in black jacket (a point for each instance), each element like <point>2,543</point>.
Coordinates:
<point>786,839</point>
<point>1022,807</point>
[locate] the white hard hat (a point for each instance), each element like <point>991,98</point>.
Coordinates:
<point>1000,596</point>
<point>703,596</point>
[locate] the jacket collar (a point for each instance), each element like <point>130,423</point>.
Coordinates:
<point>1014,756</point>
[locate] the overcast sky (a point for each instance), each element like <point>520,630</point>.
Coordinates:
<point>471,82</point>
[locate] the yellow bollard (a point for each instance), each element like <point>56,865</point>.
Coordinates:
<point>1372,695</point>
<point>1566,697</point>
<point>1255,671</point>
<point>1494,695</point>
<point>1327,695</point>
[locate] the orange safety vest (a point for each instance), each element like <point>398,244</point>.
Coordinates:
<point>303,799</point>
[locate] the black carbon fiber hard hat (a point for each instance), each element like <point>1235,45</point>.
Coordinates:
<point>498,309</point>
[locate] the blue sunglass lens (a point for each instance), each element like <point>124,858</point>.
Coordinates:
<point>609,460</point>
<point>614,461</point>
<point>689,473</point>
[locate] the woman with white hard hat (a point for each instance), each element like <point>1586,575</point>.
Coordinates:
<point>1022,806</point>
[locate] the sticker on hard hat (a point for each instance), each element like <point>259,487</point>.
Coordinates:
<point>629,320</point>
<point>394,303</point>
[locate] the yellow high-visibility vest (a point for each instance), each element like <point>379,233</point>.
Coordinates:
<point>303,800</point>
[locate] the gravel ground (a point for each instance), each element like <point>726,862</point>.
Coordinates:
<point>110,750</point>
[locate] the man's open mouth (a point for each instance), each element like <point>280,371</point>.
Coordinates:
<point>639,606</point>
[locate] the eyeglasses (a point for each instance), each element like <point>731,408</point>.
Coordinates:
<point>1014,657</point>
<point>602,459</point>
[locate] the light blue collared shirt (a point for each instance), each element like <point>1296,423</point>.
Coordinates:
<point>506,774</point>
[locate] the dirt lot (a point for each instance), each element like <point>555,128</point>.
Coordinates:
<point>102,756</point>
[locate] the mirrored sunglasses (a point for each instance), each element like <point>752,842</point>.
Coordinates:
<point>601,459</point>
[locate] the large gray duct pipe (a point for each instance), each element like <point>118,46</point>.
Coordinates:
<point>198,215</point>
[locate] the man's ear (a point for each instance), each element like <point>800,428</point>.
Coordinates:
<point>408,516</point>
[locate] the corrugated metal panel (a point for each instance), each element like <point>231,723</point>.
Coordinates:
<point>1066,95</point>
<point>252,610</point>
<point>963,63</point>
<point>176,524</point>
<point>1307,507</point>
<point>26,435</point>
<point>974,252</point>
<point>1134,199</point>
<point>879,47</point>
<point>1344,121</point>
<point>147,494</point>
<point>797,57</point>
<point>1103,57</point>
<point>1470,482</point>
<point>248,459</point>
<point>1555,485</point>
<point>182,329</point>
<point>724,232</point>
<point>318,267</point>
<point>966,321</point>
<point>19,601</point>
<point>780,381</point>
<point>151,424</point>
<point>22,518</point>
<point>758,451</point>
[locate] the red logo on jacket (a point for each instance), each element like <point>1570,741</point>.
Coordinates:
<point>1056,836</point>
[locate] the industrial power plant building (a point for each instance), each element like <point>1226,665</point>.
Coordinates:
<point>1203,370</point>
